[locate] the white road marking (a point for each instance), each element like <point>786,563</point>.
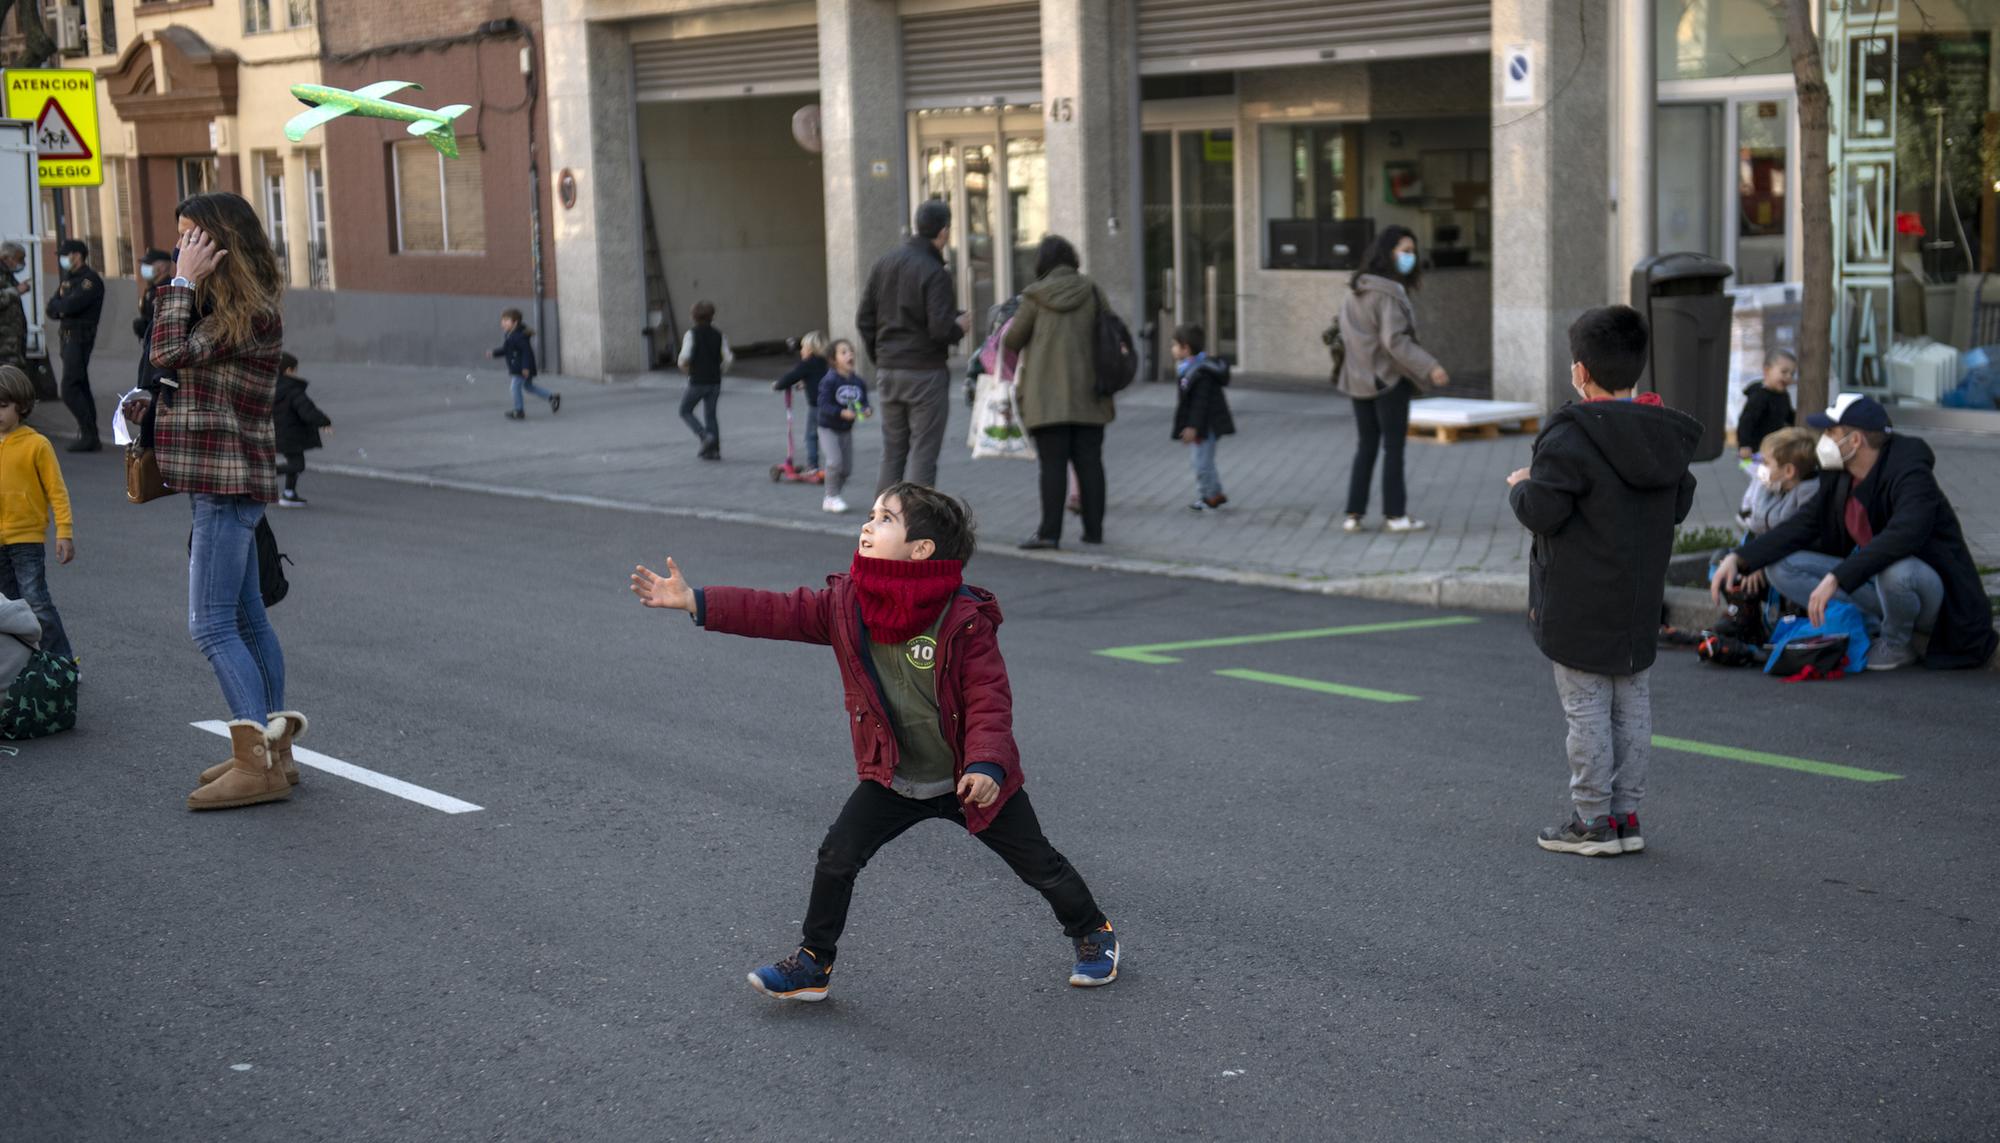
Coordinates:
<point>383,782</point>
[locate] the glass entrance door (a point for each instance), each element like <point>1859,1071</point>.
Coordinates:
<point>1724,181</point>
<point>1188,208</point>
<point>996,182</point>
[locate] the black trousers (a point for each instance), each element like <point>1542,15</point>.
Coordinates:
<point>1382,423</point>
<point>874,816</point>
<point>295,463</point>
<point>1059,447</point>
<point>76,347</point>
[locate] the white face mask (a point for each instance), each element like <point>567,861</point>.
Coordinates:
<point>1829,454</point>
<point>65,262</point>
<point>146,272</point>
<point>1765,476</point>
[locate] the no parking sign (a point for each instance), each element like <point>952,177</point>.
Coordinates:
<point>1517,76</point>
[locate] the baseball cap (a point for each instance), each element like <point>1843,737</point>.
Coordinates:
<point>1852,411</point>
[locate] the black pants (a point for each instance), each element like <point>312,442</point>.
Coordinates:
<point>76,347</point>
<point>704,396</point>
<point>1381,424</point>
<point>1059,447</point>
<point>875,815</point>
<point>295,463</point>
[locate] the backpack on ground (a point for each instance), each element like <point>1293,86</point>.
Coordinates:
<point>1112,351</point>
<point>41,700</point>
<point>1336,347</point>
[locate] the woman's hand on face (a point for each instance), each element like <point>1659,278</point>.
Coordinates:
<point>199,256</point>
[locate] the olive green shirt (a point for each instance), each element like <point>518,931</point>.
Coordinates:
<point>924,765</point>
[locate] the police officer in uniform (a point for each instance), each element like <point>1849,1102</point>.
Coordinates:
<point>77,303</point>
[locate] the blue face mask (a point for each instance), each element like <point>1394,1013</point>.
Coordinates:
<point>1406,261</point>
<point>146,272</point>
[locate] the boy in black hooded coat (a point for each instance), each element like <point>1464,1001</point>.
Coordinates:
<point>297,421</point>
<point>1608,485</point>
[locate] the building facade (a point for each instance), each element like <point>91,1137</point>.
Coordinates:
<point>434,247</point>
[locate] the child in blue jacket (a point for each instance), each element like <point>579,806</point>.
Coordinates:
<point>843,399</point>
<point>519,351</point>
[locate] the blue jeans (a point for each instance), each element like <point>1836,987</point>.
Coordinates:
<point>1902,600</point>
<point>1207,481</point>
<point>24,576</point>
<point>525,385</point>
<point>226,606</point>
<point>703,397</point>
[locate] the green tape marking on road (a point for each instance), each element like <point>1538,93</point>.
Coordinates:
<point>1316,685</point>
<point>1156,652</point>
<point>1783,762</point>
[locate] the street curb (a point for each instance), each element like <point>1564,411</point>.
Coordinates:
<point>1477,591</point>
<point>1687,607</point>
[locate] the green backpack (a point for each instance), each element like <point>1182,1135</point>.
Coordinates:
<point>41,700</point>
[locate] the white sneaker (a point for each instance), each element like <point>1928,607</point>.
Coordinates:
<point>1404,524</point>
<point>1351,525</point>
<point>834,504</point>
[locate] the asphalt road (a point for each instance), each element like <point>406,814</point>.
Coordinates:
<point>1336,923</point>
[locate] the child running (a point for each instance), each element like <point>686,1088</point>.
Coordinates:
<point>1201,417</point>
<point>297,421</point>
<point>519,350</point>
<point>705,355</point>
<point>931,714</point>
<point>843,398</point>
<point>1608,484</point>
<point>33,487</point>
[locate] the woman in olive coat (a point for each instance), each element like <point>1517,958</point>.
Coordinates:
<point>1056,388</point>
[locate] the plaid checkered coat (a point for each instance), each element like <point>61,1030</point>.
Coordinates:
<point>216,435</point>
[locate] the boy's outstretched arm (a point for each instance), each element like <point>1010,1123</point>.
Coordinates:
<point>802,616</point>
<point>669,591</point>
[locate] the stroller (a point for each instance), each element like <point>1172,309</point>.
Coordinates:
<point>788,470</point>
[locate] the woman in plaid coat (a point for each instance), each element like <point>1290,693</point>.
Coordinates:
<point>217,326</point>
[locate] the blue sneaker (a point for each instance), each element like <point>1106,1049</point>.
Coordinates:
<point>797,977</point>
<point>1096,959</point>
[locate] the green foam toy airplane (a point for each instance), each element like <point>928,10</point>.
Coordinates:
<point>330,103</point>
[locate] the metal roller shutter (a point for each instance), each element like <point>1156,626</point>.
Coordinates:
<point>776,61</point>
<point>971,58</point>
<point>1203,35</point>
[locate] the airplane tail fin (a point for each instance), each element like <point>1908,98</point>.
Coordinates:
<point>440,132</point>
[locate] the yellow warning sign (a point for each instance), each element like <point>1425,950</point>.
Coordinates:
<point>62,104</point>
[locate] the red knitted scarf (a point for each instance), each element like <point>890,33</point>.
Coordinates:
<point>900,599</point>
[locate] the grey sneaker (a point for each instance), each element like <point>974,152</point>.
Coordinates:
<point>1629,839</point>
<point>1594,838</point>
<point>1882,658</point>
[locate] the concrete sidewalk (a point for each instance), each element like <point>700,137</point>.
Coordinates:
<point>1285,472</point>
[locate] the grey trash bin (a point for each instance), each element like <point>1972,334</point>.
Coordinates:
<point>1681,297</point>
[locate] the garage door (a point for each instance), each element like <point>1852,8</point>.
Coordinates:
<point>1204,35</point>
<point>972,58</point>
<point>775,61</point>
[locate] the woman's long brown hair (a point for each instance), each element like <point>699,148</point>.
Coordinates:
<point>246,287</point>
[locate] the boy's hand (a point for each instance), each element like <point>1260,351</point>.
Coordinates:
<point>65,551</point>
<point>978,790</point>
<point>671,592</point>
<point>490,353</point>
<point>847,414</point>
<point>1188,435</point>
<point>1516,477</point>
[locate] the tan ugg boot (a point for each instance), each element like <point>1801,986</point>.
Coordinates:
<point>290,725</point>
<point>251,777</point>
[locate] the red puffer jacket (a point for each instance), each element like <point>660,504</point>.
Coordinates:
<point>974,700</point>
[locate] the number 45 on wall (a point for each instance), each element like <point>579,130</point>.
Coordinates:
<point>1062,110</point>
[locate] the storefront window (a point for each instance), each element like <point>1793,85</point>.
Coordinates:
<point>1311,180</point>
<point>1708,39</point>
<point>1763,129</point>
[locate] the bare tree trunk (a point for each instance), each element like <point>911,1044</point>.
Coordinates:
<point>1816,211</point>
<point>37,48</point>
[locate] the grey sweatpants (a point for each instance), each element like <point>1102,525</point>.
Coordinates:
<point>914,405</point>
<point>836,458</point>
<point>1610,736</point>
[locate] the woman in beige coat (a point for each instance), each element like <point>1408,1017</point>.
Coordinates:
<point>1055,333</point>
<point>1384,367</point>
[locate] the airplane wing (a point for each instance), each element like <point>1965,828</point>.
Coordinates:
<point>386,88</point>
<point>305,121</point>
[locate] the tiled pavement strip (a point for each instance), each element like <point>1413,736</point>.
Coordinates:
<point>1285,472</point>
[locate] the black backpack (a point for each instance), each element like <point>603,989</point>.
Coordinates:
<point>1336,347</point>
<point>1112,351</point>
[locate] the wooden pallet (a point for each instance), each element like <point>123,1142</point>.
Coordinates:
<point>1452,434</point>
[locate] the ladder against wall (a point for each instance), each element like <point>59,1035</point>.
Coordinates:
<point>663,336</point>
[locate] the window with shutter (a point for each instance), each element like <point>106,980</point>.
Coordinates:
<point>440,202</point>
<point>465,200</point>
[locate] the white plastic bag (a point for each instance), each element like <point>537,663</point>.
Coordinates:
<point>996,430</point>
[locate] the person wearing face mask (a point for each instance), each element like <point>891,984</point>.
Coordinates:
<point>1383,370</point>
<point>1882,537</point>
<point>77,304</point>
<point>155,269</point>
<point>14,286</point>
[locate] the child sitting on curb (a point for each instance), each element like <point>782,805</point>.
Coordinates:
<point>931,715</point>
